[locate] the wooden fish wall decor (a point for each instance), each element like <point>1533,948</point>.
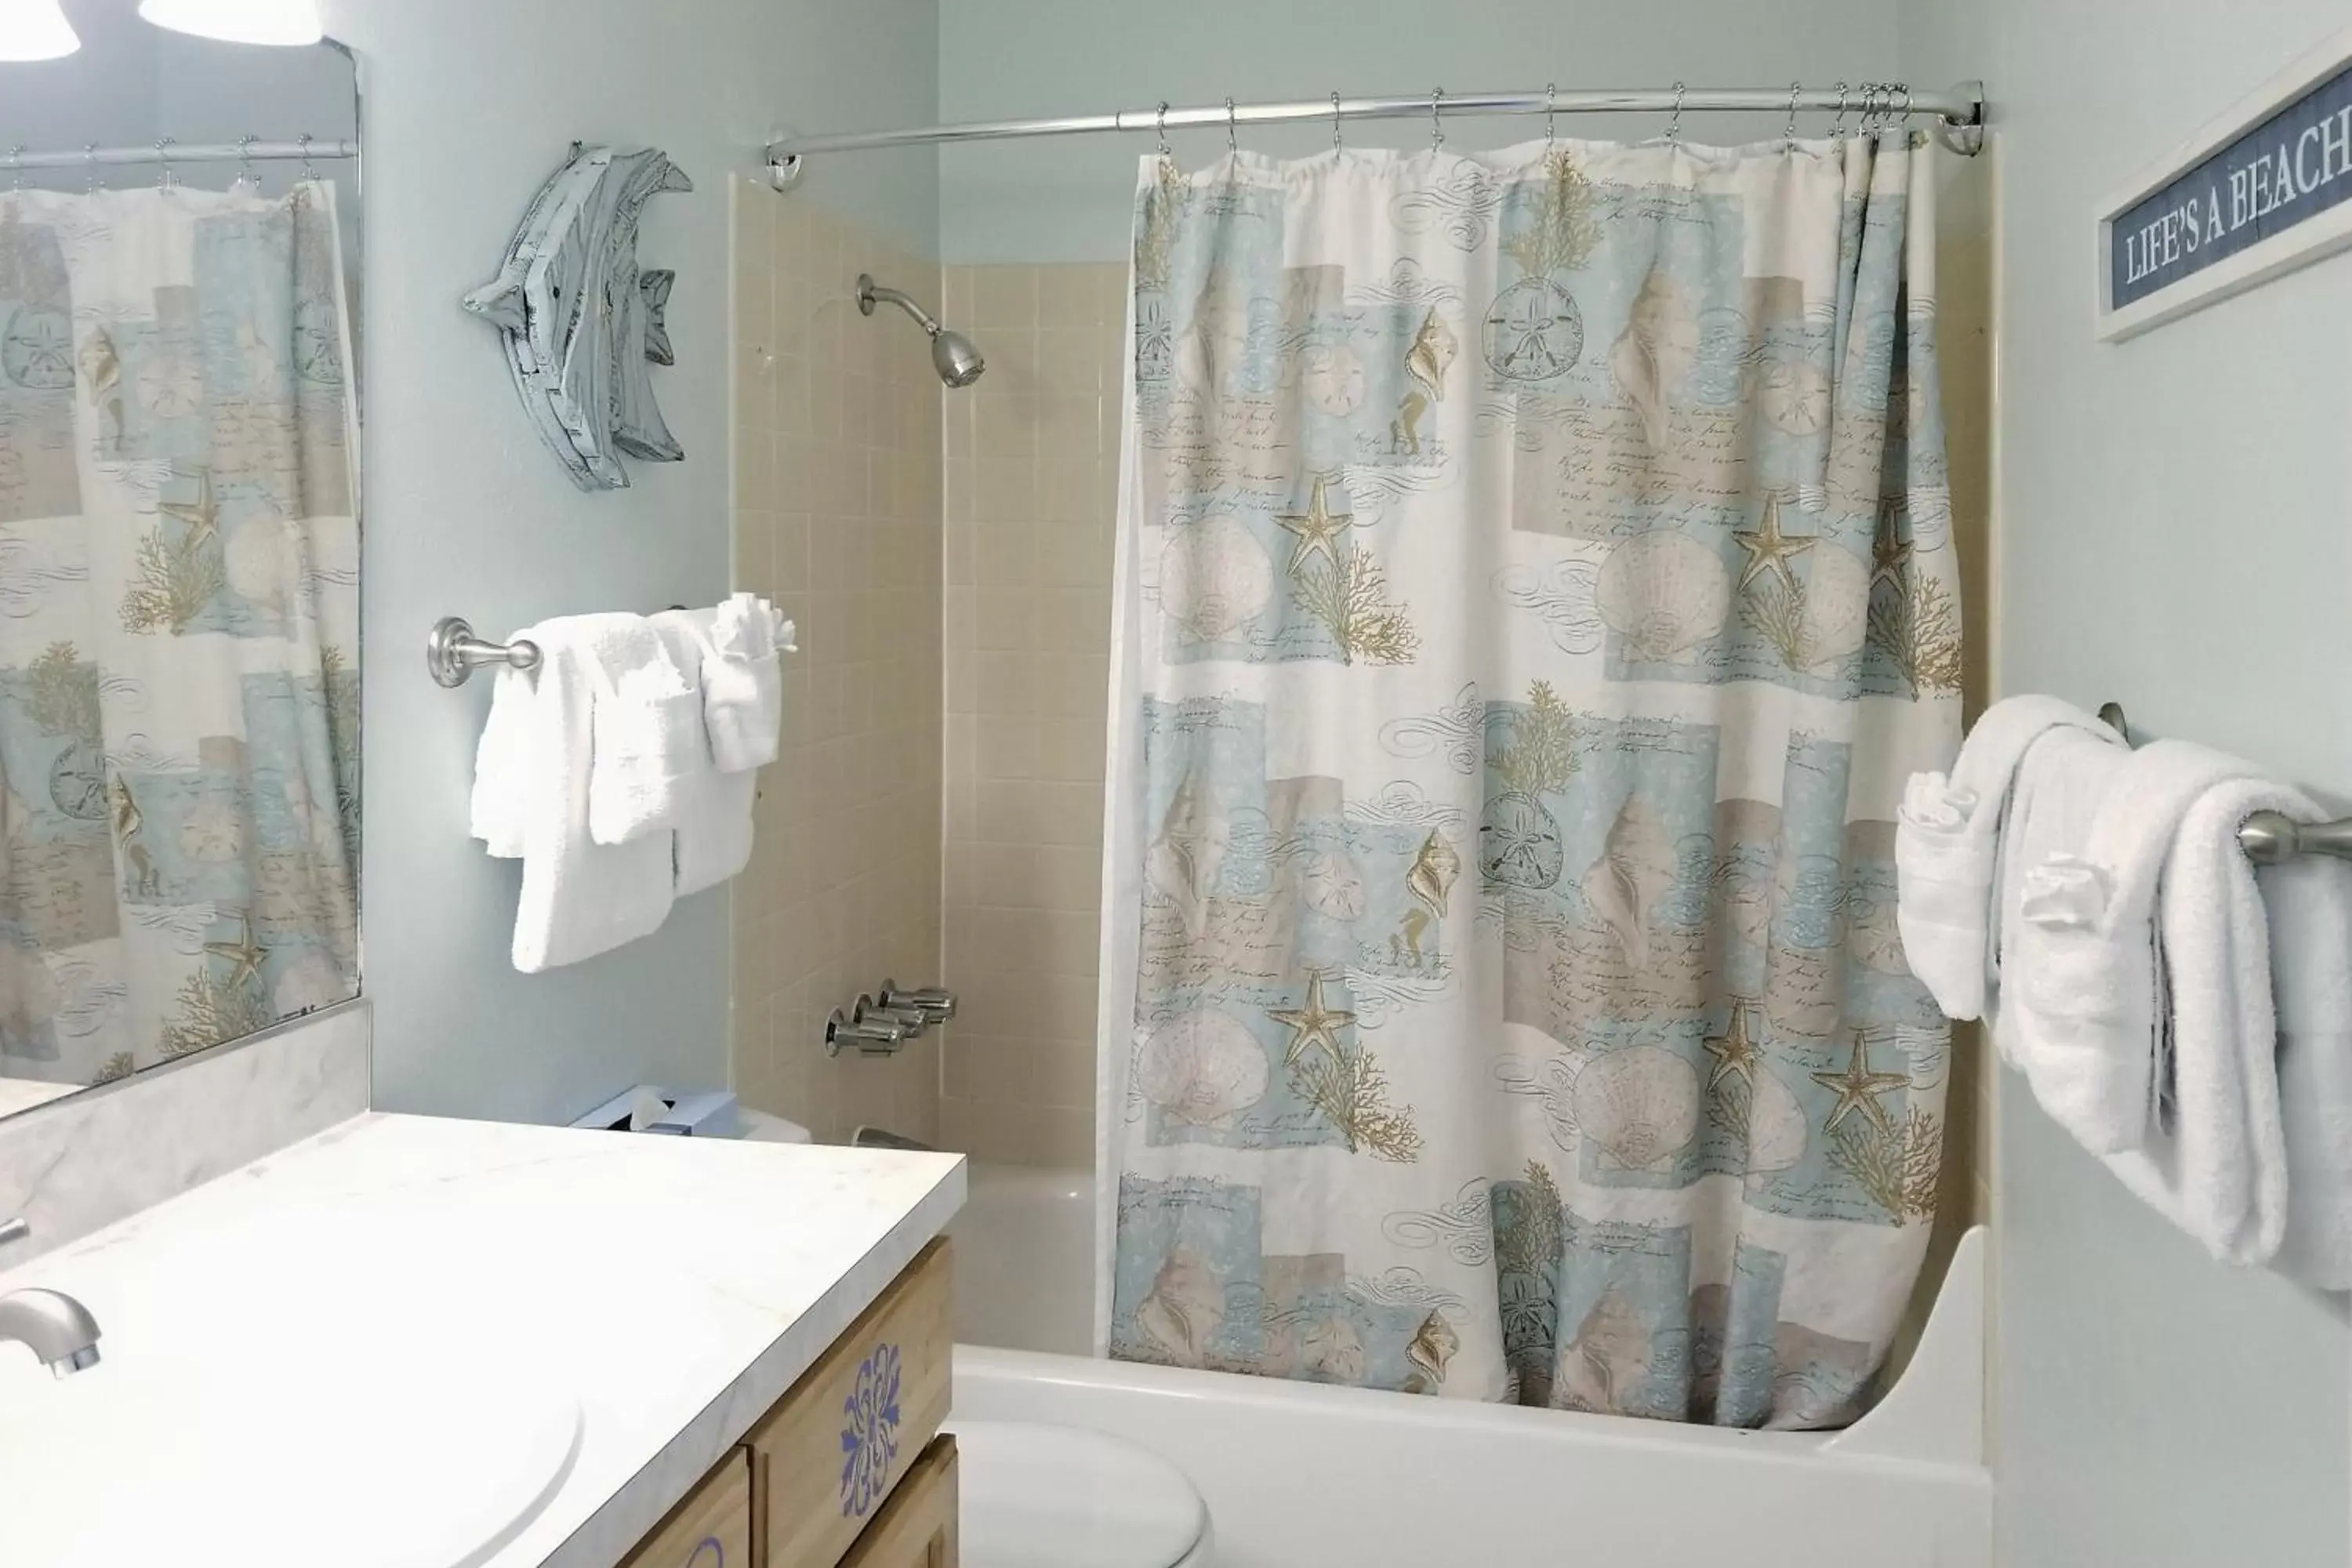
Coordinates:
<point>582,321</point>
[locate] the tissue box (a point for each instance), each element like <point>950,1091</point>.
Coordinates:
<point>689,1115</point>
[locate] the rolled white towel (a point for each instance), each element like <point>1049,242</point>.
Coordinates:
<point>743,683</point>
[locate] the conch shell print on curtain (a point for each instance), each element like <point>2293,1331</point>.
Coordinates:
<point>1534,572</point>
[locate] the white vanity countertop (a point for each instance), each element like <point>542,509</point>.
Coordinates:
<point>679,1286</point>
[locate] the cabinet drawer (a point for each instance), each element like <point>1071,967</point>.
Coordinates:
<point>917,1527</point>
<point>830,1452</point>
<point>711,1528</point>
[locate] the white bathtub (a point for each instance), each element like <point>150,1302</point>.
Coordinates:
<point>1303,1476</point>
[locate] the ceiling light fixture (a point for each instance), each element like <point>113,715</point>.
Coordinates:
<point>34,30</point>
<point>284,22</point>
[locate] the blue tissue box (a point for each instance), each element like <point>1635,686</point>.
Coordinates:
<point>689,1116</point>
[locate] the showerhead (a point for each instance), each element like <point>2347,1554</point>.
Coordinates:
<point>959,363</point>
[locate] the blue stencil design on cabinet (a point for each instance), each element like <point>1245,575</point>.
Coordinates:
<point>869,1432</point>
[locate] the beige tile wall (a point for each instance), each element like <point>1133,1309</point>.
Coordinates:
<point>1031,469</point>
<point>837,453</point>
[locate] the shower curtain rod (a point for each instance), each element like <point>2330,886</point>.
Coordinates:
<point>171,151</point>
<point>1960,114</point>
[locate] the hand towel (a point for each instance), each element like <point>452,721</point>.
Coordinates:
<point>501,778</point>
<point>713,811</point>
<point>1945,840</point>
<point>2220,1167</point>
<point>743,683</point>
<point>2086,957</point>
<point>579,898</point>
<point>2053,804</point>
<point>647,740</point>
<point>2309,901</point>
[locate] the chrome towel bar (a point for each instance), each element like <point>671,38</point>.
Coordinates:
<point>2268,838</point>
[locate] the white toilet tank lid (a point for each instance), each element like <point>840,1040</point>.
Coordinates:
<point>1036,1496</point>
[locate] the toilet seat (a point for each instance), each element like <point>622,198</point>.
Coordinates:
<point>1035,1496</point>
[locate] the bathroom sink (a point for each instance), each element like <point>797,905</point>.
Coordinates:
<point>324,1412</point>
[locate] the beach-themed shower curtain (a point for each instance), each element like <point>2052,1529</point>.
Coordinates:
<point>179,617</point>
<point>1534,588</point>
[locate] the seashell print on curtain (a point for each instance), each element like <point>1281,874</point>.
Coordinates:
<point>1536,584</point>
<point>179,619</point>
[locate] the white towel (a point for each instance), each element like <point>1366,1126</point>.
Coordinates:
<point>649,737</point>
<point>2309,902</point>
<point>2217,1166</point>
<point>713,809</point>
<point>1946,848</point>
<point>579,898</point>
<point>2085,977</point>
<point>2053,804</point>
<point>743,683</point>
<point>500,799</point>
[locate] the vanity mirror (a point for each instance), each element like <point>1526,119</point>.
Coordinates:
<point>179,547</point>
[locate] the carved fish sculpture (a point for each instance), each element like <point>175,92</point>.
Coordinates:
<point>581,321</point>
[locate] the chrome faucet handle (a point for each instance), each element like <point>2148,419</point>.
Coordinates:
<point>873,1037</point>
<point>914,1020</point>
<point>936,1003</point>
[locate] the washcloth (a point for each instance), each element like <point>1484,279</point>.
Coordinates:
<point>2309,901</point>
<point>1946,844</point>
<point>743,683</point>
<point>2217,1165</point>
<point>648,737</point>
<point>712,816</point>
<point>579,898</point>
<point>2085,976</point>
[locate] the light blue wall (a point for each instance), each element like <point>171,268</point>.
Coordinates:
<point>2176,528</point>
<point>1067,199</point>
<point>470,106</point>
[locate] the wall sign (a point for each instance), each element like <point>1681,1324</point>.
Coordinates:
<point>2263,189</point>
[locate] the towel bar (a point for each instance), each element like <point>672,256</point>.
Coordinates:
<point>453,652</point>
<point>2268,838</point>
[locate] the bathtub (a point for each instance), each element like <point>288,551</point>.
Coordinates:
<point>1303,1476</point>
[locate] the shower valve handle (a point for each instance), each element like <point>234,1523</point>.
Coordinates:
<point>935,1002</point>
<point>873,1037</point>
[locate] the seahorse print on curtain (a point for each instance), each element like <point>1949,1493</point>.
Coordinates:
<point>1534,583</point>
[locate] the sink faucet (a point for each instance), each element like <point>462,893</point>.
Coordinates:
<point>53,1326</point>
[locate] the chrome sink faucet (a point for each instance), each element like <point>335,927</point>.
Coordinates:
<point>51,1324</point>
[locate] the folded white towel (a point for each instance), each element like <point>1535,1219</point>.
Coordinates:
<point>1946,848</point>
<point>2309,902</point>
<point>2218,1165</point>
<point>579,898</point>
<point>743,683</point>
<point>2053,804</point>
<point>2086,966</point>
<point>500,799</point>
<point>713,809</point>
<point>648,737</point>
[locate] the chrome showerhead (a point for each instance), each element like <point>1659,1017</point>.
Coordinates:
<point>959,363</point>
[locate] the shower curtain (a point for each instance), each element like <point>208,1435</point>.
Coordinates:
<point>179,617</point>
<point>1535,587</point>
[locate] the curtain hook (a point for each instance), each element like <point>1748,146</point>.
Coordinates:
<point>1436,120</point>
<point>89,152</point>
<point>246,175</point>
<point>1788,131</point>
<point>1232,138</point>
<point>1334,123</point>
<point>1551,114</point>
<point>1161,121</point>
<point>1837,126</point>
<point>308,171</point>
<point>1902,109</point>
<point>1674,125</point>
<point>17,167</point>
<point>164,160</point>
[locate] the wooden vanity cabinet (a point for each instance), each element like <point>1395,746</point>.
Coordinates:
<point>849,1468</point>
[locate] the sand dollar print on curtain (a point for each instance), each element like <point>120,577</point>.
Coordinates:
<point>179,570</point>
<point>1536,584</point>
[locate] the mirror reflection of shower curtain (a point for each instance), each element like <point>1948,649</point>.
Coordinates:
<point>1535,587</point>
<point>179,617</point>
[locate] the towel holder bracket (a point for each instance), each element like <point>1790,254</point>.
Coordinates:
<point>452,652</point>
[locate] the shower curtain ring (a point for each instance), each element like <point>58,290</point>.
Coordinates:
<point>90,152</point>
<point>1674,125</point>
<point>163,162</point>
<point>1837,126</point>
<point>1551,114</point>
<point>1788,131</point>
<point>1161,121</point>
<point>1232,138</point>
<point>309,171</point>
<point>1903,108</point>
<point>1436,120</point>
<point>1334,123</point>
<point>245,170</point>
<point>17,167</point>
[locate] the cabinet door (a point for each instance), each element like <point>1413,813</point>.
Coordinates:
<point>834,1449</point>
<point>917,1527</point>
<point>711,1528</point>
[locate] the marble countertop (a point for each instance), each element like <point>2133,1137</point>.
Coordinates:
<point>679,1286</point>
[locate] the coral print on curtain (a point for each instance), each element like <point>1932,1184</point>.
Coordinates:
<point>179,564</point>
<point>1536,585</point>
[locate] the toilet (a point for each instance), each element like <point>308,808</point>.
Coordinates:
<point>1038,1496</point>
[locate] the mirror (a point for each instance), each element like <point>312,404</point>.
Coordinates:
<point>179,549</point>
